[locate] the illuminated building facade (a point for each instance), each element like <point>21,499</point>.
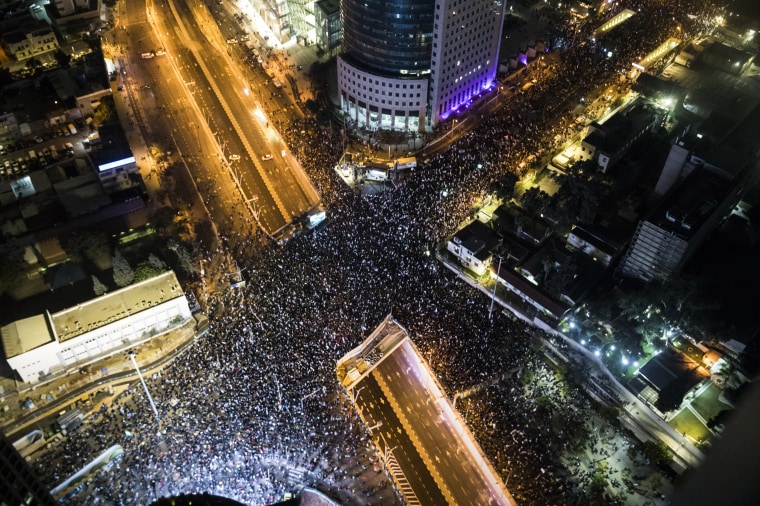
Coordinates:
<point>466,37</point>
<point>44,345</point>
<point>406,64</point>
<point>288,19</point>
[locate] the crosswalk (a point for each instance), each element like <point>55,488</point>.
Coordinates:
<point>296,475</point>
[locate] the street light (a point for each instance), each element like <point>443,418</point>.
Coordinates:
<point>493,295</point>
<point>147,392</point>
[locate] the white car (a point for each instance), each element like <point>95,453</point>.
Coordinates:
<point>234,158</point>
<point>266,157</point>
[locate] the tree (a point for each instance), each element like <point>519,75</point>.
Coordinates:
<point>145,270</point>
<point>504,186</point>
<point>657,452</point>
<point>184,257</point>
<point>97,286</point>
<point>12,265</point>
<point>156,262</point>
<point>123,274</point>
<point>103,112</point>
<point>93,245</point>
<point>63,59</point>
<point>534,200</point>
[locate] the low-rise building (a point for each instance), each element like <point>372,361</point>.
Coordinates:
<point>30,41</point>
<point>473,246</point>
<point>607,143</point>
<point>46,344</point>
<point>593,242</point>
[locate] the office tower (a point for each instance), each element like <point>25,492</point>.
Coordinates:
<point>406,64</point>
<point>18,483</point>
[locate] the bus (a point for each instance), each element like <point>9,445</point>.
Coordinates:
<point>407,163</point>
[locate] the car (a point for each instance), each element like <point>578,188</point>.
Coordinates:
<point>233,40</point>
<point>267,157</point>
<point>145,87</point>
<point>234,158</point>
<point>38,139</point>
<point>259,59</point>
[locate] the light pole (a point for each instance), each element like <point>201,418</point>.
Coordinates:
<point>493,295</point>
<point>147,392</point>
<point>307,396</point>
<point>355,394</point>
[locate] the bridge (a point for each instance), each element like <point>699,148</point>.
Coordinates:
<point>618,19</point>
<point>425,444</point>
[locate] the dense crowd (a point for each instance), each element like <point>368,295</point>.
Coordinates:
<point>254,408</point>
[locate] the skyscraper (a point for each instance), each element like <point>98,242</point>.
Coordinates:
<point>18,483</point>
<point>406,64</point>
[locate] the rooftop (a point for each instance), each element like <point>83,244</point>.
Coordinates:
<point>35,331</point>
<point>77,320</point>
<point>477,238</point>
<point>691,203</point>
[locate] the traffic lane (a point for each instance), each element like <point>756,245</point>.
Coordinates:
<point>218,122</point>
<point>264,140</point>
<point>371,401</point>
<point>232,93</point>
<point>440,435</point>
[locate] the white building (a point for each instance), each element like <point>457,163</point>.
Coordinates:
<point>46,344</point>
<point>25,44</point>
<point>466,37</point>
<point>473,246</point>
<point>374,100</point>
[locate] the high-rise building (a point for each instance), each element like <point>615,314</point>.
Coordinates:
<point>466,37</point>
<point>288,19</point>
<point>18,483</point>
<point>407,64</point>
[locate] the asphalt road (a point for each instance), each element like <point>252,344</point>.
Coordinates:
<point>430,443</point>
<point>247,136</point>
<point>377,409</point>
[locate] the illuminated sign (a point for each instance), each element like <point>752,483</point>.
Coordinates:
<point>117,164</point>
<point>22,187</point>
<point>317,218</point>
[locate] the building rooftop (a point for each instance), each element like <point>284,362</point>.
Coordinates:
<point>672,374</point>
<point>328,6</point>
<point>620,128</point>
<point>478,239</point>
<point>84,317</point>
<point>691,203</point>
<point>35,331</point>
<point>113,145</point>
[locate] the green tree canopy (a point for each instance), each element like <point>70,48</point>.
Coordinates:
<point>146,270</point>
<point>93,245</point>
<point>534,200</point>
<point>97,286</point>
<point>504,186</point>
<point>123,274</point>
<point>12,265</point>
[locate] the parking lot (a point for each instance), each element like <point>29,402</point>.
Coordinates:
<point>36,152</point>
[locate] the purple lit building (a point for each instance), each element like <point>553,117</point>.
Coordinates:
<point>408,64</point>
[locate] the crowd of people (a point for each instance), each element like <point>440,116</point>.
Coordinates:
<point>254,408</point>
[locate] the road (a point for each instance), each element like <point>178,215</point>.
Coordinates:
<point>193,102</point>
<point>245,134</point>
<point>439,458</point>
